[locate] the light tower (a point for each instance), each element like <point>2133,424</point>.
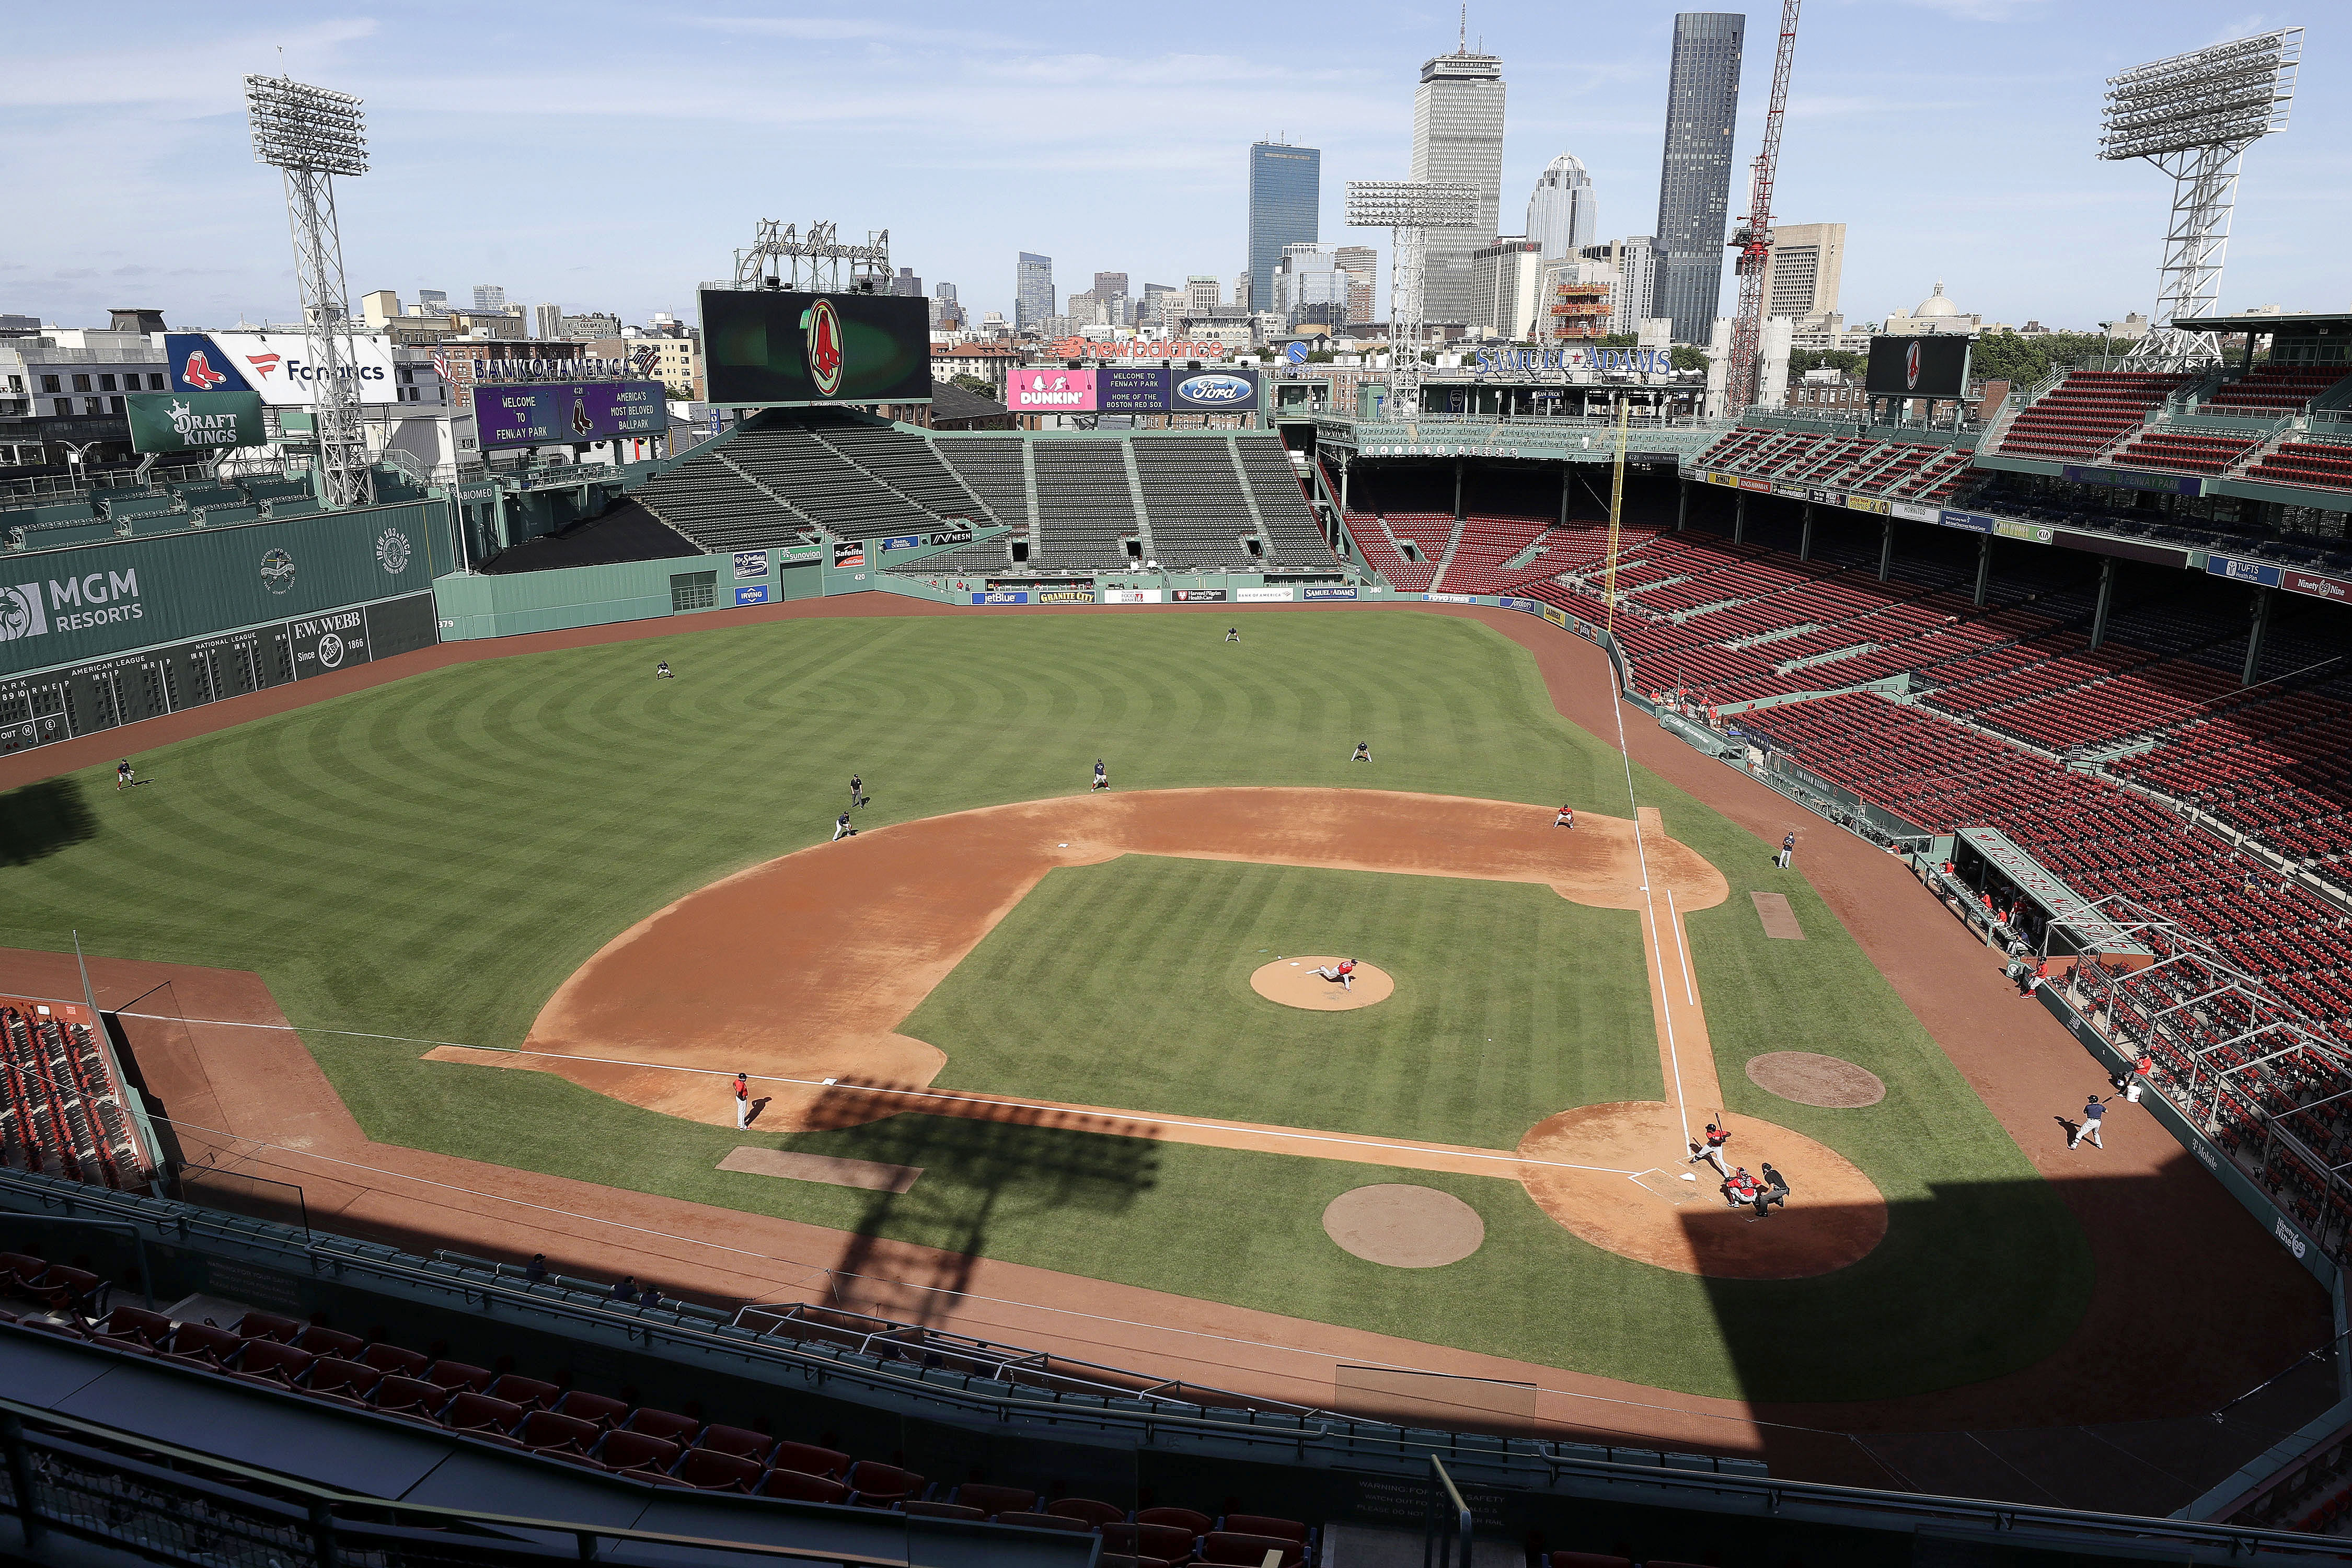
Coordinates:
<point>311,135</point>
<point>2194,116</point>
<point>1409,209</point>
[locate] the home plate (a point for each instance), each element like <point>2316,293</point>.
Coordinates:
<point>1662,1183</point>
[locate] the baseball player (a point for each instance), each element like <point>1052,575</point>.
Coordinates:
<point>1567,817</point>
<point>1363,752</point>
<point>123,779</point>
<point>1712,1150</point>
<point>1788,850</point>
<point>1344,973</point>
<point>841,828</point>
<point>1739,1188</point>
<point>1102,774</point>
<point>662,672</point>
<point>742,1102</point>
<point>2094,1110</point>
<point>1233,634</point>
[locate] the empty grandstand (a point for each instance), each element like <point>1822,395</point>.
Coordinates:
<point>61,1109</point>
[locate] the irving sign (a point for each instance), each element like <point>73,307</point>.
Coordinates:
<point>199,421</point>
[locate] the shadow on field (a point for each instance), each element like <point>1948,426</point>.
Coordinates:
<point>1980,1271</point>
<point>983,1165</point>
<point>40,819</point>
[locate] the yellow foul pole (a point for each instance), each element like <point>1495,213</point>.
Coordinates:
<point>1616,517</point>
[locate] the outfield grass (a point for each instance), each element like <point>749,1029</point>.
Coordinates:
<point>432,857</point>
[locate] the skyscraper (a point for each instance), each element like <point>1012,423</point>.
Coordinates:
<point>1362,266</point>
<point>1694,179</point>
<point>1033,291</point>
<point>907,285</point>
<point>548,320</point>
<point>1563,215</point>
<point>1800,279</point>
<point>1201,293</point>
<point>1110,283</point>
<point>1285,199</point>
<point>1457,135</point>
<point>489,297</point>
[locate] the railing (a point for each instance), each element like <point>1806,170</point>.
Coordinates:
<point>93,1484</point>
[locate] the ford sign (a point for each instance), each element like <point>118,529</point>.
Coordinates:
<point>1217,389</point>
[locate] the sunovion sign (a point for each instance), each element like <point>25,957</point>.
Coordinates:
<point>1215,392</point>
<point>275,364</point>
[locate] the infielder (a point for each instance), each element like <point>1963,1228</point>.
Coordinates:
<point>1102,774</point>
<point>1567,817</point>
<point>841,828</point>
<point>1363,752</point>
<point>742,1102</point>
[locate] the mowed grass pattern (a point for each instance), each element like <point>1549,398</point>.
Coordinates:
<point>429,860</point>
<point>1126,984</point>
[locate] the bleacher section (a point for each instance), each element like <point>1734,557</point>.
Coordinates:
<point>710,501</point>
<point>1193,496</point>
<point>1084,509</point>
<point>2270,392</point>
<point>989,467</point>
<point>603,1430</point>
<point>2182,451</point>
<point>1924,472</point>
<point>2085,411</point>
<point>1290,526</point>
<point>60,1110</point>
<point>792,458</point>
<point>907,464</point>
<point>192,498</point>
<point>2317,465</point>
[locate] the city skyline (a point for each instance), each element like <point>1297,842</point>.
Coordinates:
<point>172,212</point>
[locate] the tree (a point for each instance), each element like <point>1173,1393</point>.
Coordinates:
<point>973,384</point>
<point>1803,360</point>
<point>1619,341</point>
<point>2023,362</point>
<point>1684,357</point>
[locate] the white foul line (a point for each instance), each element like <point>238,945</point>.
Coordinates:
<point>1666,1017</point>
<point>1682,947</point>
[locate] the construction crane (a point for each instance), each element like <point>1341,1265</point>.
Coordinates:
<point>1753,238</point>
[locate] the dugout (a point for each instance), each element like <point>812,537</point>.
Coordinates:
<point>2052,918</point>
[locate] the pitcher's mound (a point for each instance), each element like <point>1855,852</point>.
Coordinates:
<point>1404,1225</point>
<point>1294,982</point>
<point>1811,1078</point>
<point>1834,1217</point>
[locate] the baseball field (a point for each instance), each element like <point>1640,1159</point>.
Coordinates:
<point>1040,998</point>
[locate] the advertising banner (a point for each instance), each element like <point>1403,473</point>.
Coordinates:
<point>2134,479</point>
<point>278,365</point>
<point>851,553</point>
<point>1870,504</point>
<point>1034,389</point>
<point>2240,571</point>
<point>2313,583</point>
<point>1265,595</point>
<point>772,347</point>
<point>1452,598</point>
<point>62,607</point>
<point>552,413</point>
<point>1312,593</point>
<point>1825,497</point>
<point>1763,484</point>
<point>1974,522</point>
<point>197,421</point>
<point>1131,595</point>
<point>754,594</point>
<point>1135,349</point>
<point>1197,595</point>
<point>1133,389</point>
<point>1728,480</point>
<point>1014,597</point>
<point>1214,392</point>
<point>2032,533</point>
<point>1068,596</point>
<point>903,541</point>
<point>750,565</point>
<point>1554,614</point>
<point>1911,511</point>
<point>1934,366</point>
<point>1794,492</point>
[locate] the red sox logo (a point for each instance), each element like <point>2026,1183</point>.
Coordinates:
<point>824,351</point>
<point>199,372</point>
<point>1911,366</point>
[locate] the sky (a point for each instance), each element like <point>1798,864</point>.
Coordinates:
<point>601,156</point>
